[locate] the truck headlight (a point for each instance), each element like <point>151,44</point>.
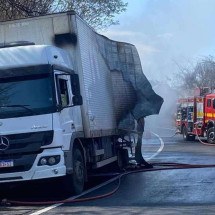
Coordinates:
<point>43,161</point>
<point>49,160</point>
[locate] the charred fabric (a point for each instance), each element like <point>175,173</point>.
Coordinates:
<point>134,97</point>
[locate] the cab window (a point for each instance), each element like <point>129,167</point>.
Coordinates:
<point>213,103</point>
<point>209,103</point>
<point>64,93</point>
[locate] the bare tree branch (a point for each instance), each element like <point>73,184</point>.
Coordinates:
<point>199,76</point>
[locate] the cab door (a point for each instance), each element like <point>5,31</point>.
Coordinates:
<point>209,108</point>
<point>65,110</point>
<point>68,116</point>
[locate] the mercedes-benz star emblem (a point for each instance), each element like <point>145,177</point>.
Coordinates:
<point>4,143</point>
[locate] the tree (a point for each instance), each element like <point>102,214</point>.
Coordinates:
<point>205,73</point>
<point>13,9</point>
<point>201,75</point>
<point>99,14</point>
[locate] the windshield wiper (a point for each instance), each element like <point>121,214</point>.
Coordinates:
<point>22,106</point>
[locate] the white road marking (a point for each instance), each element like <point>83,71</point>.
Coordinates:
<point>75,197</point>
<point>159,150</point>
<point>170,142</point>
<point>46,209</point>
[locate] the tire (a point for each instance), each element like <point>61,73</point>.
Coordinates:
<point>74,183</point>
<point>211,135</point>
<point>192,137</point>
<point>186,136</point>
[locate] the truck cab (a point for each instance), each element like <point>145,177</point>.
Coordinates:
<point>39,112</point>
<point>209,117</point>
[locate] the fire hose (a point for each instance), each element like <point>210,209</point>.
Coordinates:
<point>159,167</point>
<point>196,133</point>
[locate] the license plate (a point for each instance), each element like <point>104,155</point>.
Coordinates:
<point>6,163</point>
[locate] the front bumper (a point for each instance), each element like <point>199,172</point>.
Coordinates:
<point>38,172</point>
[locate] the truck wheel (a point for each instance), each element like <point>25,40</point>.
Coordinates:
<point>192,137</point>
<point>211,136</point>
<point>185,135</point>
<point>75,182</point>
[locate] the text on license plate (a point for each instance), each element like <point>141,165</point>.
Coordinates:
<point>6,163</point>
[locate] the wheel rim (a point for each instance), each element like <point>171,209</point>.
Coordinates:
<point>211,136</point>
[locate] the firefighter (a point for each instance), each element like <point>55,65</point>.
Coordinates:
<point>138,153</point>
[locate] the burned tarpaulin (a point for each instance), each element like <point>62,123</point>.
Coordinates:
<point>134,97</point>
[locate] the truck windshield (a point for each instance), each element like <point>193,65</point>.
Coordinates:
<point>26,95</point>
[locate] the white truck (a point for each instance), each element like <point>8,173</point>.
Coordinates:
<point>68,97</point>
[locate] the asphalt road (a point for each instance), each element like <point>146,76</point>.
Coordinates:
<point>184,191</point>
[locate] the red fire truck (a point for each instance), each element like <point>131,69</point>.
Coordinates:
<point>196,116</point>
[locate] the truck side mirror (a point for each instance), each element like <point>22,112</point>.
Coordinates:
<point>75,85</point>
<point>77,98</point>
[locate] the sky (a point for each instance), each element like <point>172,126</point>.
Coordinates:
<point>167,33</point>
